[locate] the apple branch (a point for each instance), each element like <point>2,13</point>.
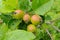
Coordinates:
<point>56,28</point>
<point>49,34</point>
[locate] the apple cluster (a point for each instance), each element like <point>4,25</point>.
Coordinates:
<point>35,19</point>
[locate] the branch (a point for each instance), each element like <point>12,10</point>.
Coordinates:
<point>49,34</point>
<point>57,29</point>
<point>55,20</point>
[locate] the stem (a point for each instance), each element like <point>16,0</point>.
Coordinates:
<point>49,34</point>
<point>54,20</point>
<point>57,29</point>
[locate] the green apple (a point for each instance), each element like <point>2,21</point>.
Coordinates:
<point>35,19</point>
<point>18,14</point>
<point>26,18</point>
<point>31,28</point>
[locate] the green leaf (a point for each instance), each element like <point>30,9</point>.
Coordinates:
<point>47,18</point>
<point>3,30</point>
<point>56,5</point>
<point>44,8</point>
<point>24,5</point>
<point>19,35</point>
<point>57,23</point>
<point>6,18</point>
<point>51,15</point>
<point>37,3</point>
<point>13,24</point>
<point>8,5</point>
<point>38,34</point>
<point>57,37</point>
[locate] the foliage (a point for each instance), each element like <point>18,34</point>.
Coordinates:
<point>19,35</point>
<point>16,29</point>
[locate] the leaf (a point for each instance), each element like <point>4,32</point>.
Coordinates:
<point>37,3</point>
<point>38,34</point>
<point>19,35</point>
<point>56,5</point>
<point>6,18</point>
<point>45,26</point>
<point>57,23</point>
<point>8,5</point>
<point>51,15</point>
<point>57,36</point>
<point>47,18</point>
<point>24,5</point>
<point>3,30</point>
<point>44,8</point>
<point>13,24</point>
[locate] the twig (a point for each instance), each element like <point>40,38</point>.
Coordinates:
<point>49,34</point>
<point>54,20</point>
<point>57,29</point>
